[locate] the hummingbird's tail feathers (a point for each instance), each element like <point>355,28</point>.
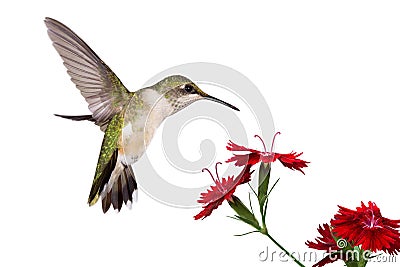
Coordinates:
<point>116,185</point>
<point>121,188</point>
<point>76,118</point>
<point>102,180</point>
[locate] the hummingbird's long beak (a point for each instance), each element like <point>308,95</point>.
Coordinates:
<point>208,97</point>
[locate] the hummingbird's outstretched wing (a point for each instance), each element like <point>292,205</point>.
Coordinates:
<point>102,89</point>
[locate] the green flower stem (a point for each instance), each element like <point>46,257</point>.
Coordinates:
<point>281,247</point>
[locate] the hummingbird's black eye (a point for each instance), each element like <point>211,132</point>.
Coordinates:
<point>189,88</point>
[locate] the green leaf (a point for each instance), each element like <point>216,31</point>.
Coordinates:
<point>251,232</point>
<point>272,187</point>
<point>243,212</point>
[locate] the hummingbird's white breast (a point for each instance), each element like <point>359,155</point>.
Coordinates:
<point>145,113</point>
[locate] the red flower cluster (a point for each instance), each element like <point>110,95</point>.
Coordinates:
<point>290,160</point>
<point>366,227</point>
<point>225,187</point>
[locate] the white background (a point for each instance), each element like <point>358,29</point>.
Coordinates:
<point>328,70</point>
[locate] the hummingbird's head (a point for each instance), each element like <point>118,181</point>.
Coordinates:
<point>184,92</point>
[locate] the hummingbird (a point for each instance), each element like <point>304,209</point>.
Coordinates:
<point>128,119</point>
